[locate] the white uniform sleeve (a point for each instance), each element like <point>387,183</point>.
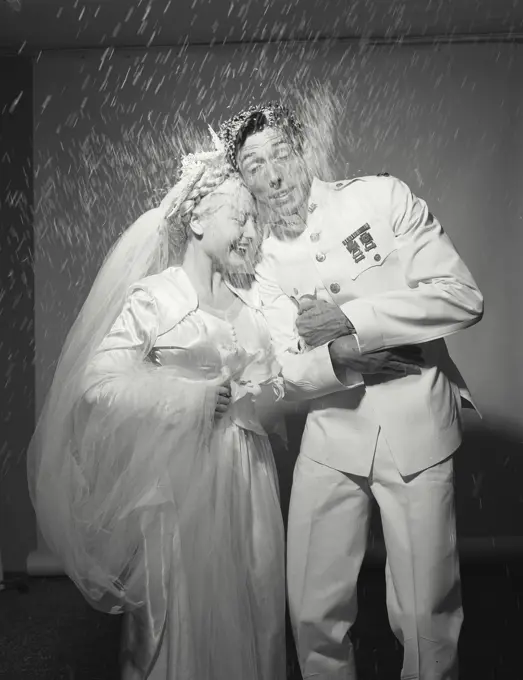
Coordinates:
<point>308,374</point>
<point>441,298</point>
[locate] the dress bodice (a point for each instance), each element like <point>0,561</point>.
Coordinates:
<point>164,322</point>
<point>214,343</point>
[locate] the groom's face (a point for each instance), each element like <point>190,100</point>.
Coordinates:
<point>274,170</point>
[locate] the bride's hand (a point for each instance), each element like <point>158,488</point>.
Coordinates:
<point>223,401</point>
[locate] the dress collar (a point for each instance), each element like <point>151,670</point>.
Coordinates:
<point>178,276</point>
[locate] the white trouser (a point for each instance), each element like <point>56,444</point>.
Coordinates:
<point>327,536</point>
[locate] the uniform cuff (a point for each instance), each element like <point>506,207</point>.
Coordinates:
<point>330,382</point>
<point>362,316</point>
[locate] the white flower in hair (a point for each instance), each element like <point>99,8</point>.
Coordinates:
<point>196,161</point>
<point>192,168</point>
<point>218,144</point>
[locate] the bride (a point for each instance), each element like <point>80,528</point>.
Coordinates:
<point>150,470</point>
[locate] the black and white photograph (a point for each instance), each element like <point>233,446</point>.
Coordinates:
<point>261,372</point>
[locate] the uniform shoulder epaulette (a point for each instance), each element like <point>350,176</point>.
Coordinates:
<point>338,186</point>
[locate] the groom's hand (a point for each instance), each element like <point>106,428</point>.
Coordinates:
<point>396,362</point>
<point>320,322</point>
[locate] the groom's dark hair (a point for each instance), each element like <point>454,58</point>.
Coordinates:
<point>237,129</point>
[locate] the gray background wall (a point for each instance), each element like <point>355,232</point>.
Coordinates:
<point>445,119</point>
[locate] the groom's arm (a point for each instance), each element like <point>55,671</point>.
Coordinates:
<point>308,374</point>
<point>440,296</point>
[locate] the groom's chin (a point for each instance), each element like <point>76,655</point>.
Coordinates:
<point>267,214</point>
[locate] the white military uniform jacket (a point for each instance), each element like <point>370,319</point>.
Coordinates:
<point>374,249</point>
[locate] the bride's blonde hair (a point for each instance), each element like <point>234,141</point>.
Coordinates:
<point>201,175</point>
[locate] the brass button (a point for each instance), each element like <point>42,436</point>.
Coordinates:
<point>377,258</point>
<point>315,237</point>
<point>321,257</point>
<point>335,288</point>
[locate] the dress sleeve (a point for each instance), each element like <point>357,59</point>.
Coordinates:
<point>140,433</point>
<point>128,343</point>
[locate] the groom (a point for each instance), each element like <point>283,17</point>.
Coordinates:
<point>351,270</point>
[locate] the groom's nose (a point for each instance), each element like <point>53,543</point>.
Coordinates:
<point>274,178</point>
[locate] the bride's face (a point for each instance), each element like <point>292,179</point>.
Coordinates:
<point>225,224</point>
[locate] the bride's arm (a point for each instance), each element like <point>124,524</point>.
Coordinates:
<point>124,348</point>
<point>122,383</point>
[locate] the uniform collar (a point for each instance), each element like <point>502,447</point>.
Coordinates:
<point>316,192</point>
<point>284,224</point>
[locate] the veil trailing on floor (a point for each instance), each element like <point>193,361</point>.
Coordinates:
<point>134,495</point>
<point>85,476</point>
<point>130,494</point>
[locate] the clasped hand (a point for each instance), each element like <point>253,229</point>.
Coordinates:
<point>223,400</point>
<point>320,322</point>
<point>393,362</point>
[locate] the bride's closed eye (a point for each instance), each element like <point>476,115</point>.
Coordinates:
<point>253,169</point>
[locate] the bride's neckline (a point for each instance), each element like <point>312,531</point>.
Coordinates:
<point>232,309</point>
<point>225,312</point>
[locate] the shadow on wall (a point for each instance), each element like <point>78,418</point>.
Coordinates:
<point>489,491</point>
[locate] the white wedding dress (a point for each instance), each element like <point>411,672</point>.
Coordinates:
<point>170,517</point>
